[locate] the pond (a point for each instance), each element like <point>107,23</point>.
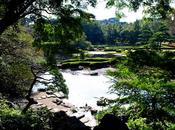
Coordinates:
<point>83,87</point>
<point>87,89</point>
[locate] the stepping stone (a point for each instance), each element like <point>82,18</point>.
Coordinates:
<point>39,98</point>
<point>84,120</point>
<point>39,104</point>
<point>49,108</point>
<point>78,115</point>
<point>51,96</point>
<point>55,110</point>
<point>65,105</point>
<point>43,97</point>
<point>59,94</point>
<point>43,105</point>
<point>49,92</point>
<point>57,101</point>
<point>69,113</point>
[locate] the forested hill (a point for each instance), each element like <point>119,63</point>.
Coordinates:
<point>96,31</point>
<point>110,21</point>
<point>113,32</point>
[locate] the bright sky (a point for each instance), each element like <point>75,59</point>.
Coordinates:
<point>103,13</point>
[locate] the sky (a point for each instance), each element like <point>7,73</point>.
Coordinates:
<point>101,13</point>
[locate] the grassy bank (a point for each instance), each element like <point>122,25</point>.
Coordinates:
<point>93,63</point>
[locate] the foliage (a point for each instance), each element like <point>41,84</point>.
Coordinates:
<point>142,32</point>
<point>156,8</point>
<point>65,11</point>
<point>16,55</point>
<point>145,89</point>
<point>11,118</point>
<point>58,83</point>
<point>93,32</point>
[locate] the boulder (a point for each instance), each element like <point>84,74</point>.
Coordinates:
<point>111,122</point>
<point>61,121</point>
<point>59,94</point>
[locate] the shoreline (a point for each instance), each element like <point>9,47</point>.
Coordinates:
<point>55,103</point>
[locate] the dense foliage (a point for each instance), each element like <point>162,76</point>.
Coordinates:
<point>16,55</point>
<point>150,32</point>
<point>144,83</point>
<point>11,118</point>
<point>145,91</point>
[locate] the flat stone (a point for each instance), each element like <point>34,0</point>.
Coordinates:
<point>78,115</point>
<point>39,104</point>
<point>84,120</point>
<point>49,92</point>
<point>39,98</point>
<point>43,97</point>
<point>49,108</point>
<point>43,105</point>
<point>51,96</point>
<point>55,110</point>
<point>57,101</point>
<point>59,94</point>
<point>65,105</point>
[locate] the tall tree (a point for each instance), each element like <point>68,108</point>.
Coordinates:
<point>157,8</point>
<point>13,10</point>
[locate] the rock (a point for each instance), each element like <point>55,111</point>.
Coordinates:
<point>94,74</point>
<point>111,122</point>
<point>55,110</point>
<point>66,105</point>
<point>49,108</point>
<point>39,104</point>
<point>43,105</point>
<point>80,116</point>
<point>42,90</point>
<point>93,111</point>
<point>57,101</point>
<point>51,96</point>
<point>74,110</point>
<point>84,119</point>
<point>59,94</point>
<point>49,92</point>
<point>43,97</point>
<point>61,121</point>
<point>80,67</point>
<point>39,98</point>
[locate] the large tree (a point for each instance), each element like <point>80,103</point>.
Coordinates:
<point>13,10</point>
<point>157,8</point>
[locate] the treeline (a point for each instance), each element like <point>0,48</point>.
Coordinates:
<point>141,32</point>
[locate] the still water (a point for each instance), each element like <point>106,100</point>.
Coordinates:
<point>87,89</point>
<point>84,88</point>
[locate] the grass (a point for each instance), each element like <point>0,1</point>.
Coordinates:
<point>87,60</point>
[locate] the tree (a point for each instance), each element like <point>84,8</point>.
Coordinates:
<point>13,10</point>
<point>160,34</point>
<point>144,91</point>
<point>93,32</point>
<point>157,8</point>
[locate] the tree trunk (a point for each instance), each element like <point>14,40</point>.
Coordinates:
<point>31,101</point>
<point>15,11</point>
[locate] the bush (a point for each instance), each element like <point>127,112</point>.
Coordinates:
<point>13,119</point>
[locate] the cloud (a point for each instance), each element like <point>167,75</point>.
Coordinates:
<point>101,12</point>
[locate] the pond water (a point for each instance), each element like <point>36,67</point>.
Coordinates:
<point>84,88</point>
<point>87,89</point>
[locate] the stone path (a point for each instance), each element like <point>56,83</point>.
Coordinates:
<point>56,102</point>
